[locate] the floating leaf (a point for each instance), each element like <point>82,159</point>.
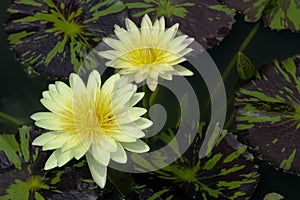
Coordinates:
<point>55,35</point>
<point>273,196</point>
<point>277,14</point>
<point>207,20</point>
<point>22,175</point>
<point>245,66</point>
<point>268,113</point>
<point>228,172</point>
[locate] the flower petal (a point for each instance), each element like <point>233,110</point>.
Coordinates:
<point>182,71</point>
<point>98,171</point>
<point>94,82</point>
<point>120,155</point>
<point>64,157</point>
<point>100,155</point>
<point>138,147</point>
<point>45,138</point>
<point>52,160</point>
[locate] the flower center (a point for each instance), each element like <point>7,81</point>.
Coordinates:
<point>92,119</point>
<point>146,56</point>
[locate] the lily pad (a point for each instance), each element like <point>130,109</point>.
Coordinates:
<point>227,172</point>
<point>268,113</point>
<point>277,14</point>
<point>22,175</point>
<point>54,36</point>
<point>207,21</point>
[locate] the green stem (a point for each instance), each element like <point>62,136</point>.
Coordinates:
<point>241,49</point>
<point>10,119</point>
<point>146,96</point>
<point>122,182</point>
<point>232,63</point>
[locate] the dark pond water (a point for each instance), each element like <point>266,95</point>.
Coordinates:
<point>20,93</point>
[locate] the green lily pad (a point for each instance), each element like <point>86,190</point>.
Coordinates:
<point>277,14</point>
<point>22,175</point>
<point>227,172</point>
<point>54,36</point>
<point>268,113</point>
<point>207,21</point>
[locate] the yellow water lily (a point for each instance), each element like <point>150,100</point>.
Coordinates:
<point>149,52</point>
<point>99,122</point>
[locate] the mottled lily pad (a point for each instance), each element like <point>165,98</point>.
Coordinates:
<point>228,172</point>
<point>22,175</point>
<point>277,14</point>
<point>207,20</point>
<point>268,113</point>
<point>54,36</point>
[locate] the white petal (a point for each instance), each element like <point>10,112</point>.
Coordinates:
<point>162,24</point>
<point>130,25</point>
<point>109,85</point>
<point>167,76</point>
<point>100,155</point>
<point>94,82</point>
<point>56,143</point>
<point>64,157</point>
<point>133,29</point>
<point>71,143</point>
<point>120,155</point>
<point>138,147</point>
<point>107,143</point>
<point>182,71</point>
<point>76,82</point>
<point>49,123</point>
<point>42,115</point>
<point>169,34</point>
<point>146,22</point>
<point>152,84</point>
<point>185,51</point>
<point>52,160</point>
<point>122,137</point>
<point>136,98</point>
<point>115,44</point>
<point>59,100</point>
<point>79,151</point>
<point>133,131</point>
<point>142,123</point>
<point>140,76</point>
<point>51,106</point>
<point>98,171</point>
<point>52,87</point>
<point>46,95</point>
<point>63,88</point>
<point>110,54</point>
<point>125,79</point>
<point>45,138</point>
<point>132,114</point>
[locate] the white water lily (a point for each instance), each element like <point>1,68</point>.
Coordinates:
<point>148,53</point>
<point>99,122</point>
